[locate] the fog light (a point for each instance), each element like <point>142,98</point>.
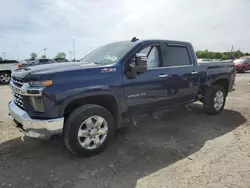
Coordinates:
<point>37,103</point>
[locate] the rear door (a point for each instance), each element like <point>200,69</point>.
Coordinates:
<point>183,80</point>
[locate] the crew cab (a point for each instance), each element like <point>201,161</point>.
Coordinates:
<point>87,100</point>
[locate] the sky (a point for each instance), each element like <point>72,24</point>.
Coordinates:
<point>31,25</point>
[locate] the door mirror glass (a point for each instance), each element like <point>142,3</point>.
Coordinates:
<point>140,63</point>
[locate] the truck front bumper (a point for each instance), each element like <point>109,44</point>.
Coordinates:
<point>36,128</point>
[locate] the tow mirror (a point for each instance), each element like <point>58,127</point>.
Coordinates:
<point>140,63</point>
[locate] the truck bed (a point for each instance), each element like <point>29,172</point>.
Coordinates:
<point>215,69</point>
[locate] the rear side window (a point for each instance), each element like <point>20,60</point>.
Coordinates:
<point>44,60</point>
<point>177,56</point>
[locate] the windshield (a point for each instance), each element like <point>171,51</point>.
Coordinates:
<point>109,53</point>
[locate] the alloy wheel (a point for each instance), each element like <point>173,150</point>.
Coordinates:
<point>93,132</point>
<point>218,100</point>
<point>5,78</point>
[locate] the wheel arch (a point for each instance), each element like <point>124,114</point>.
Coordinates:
<point>9,71</point>
<point>224,82</point>
<point>221,80</point>
<point>107,100</point>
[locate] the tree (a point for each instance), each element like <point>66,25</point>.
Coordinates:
<point>220,55</point>
<point>33,56</point>
<point>1,59</point>
<point>61,55</point>
<point>238,54</point>
<point>43,57</point>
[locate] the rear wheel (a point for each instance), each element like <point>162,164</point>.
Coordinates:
<point>88,130</point>
<point>214,99</point>
<point>4,77</point>
<point>243,70</point>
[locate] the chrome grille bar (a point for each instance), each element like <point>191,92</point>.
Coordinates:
<point>20,89</point>
<point>17,82</point>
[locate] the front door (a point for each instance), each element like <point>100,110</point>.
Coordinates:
<point>146,91</point>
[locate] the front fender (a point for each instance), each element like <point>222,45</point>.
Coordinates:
<point>87,92</point>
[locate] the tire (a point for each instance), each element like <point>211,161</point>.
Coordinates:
<point>80,120</point>
<point>243,70</point>
<point>212,103</point>
<point>5,77</point>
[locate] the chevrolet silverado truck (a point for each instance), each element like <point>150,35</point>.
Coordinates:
<point>86,101</point>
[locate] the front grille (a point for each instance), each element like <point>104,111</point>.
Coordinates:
<point>17,81</point>
<point>18,99</point>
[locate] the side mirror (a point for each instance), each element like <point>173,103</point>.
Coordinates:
<point>140,63</point>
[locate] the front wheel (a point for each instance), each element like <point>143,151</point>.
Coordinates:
<point>4,77</point>
<point>214,99</point>
<point>88,130</point>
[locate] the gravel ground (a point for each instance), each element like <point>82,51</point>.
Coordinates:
<point>184,148</point>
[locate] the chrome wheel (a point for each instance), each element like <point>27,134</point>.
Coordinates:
<point>5,78</point>
<point>218,100</point>
<point>93,132</point>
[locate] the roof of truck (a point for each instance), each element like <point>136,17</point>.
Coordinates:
<point>161,40</point>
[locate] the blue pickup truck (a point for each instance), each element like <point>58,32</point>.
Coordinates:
<point>87,100</point>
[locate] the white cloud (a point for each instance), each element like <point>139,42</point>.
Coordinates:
<point>208,24</point>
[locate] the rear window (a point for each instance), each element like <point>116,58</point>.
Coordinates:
<point>44,60</point>
<point>177,56</point>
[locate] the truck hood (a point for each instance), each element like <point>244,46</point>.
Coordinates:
<point>49,69</point>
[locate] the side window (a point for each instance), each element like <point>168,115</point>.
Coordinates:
<point>153,58</point>
<point>177,56</point>
<point>152,52</point>
<point>146,50</point>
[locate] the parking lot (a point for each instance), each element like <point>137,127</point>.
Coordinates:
<point>183,148</point>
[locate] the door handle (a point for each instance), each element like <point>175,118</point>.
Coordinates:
<point>163,76</point>
<point>194,72</point>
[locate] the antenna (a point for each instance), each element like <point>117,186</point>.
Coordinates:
<point>134,39</point>
<point>4,55</point>
<point>70,56</point>
<point>17,51</point>
<point>232,48</point>
<point>45,52</point>
<point>74,53</point>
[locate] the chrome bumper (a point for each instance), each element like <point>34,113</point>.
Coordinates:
<point>36,128</point>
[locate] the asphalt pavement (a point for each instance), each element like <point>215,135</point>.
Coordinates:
<point>183,148</point>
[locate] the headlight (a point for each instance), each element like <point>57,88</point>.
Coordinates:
<point>34,93</point>
<point>45,83</point>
